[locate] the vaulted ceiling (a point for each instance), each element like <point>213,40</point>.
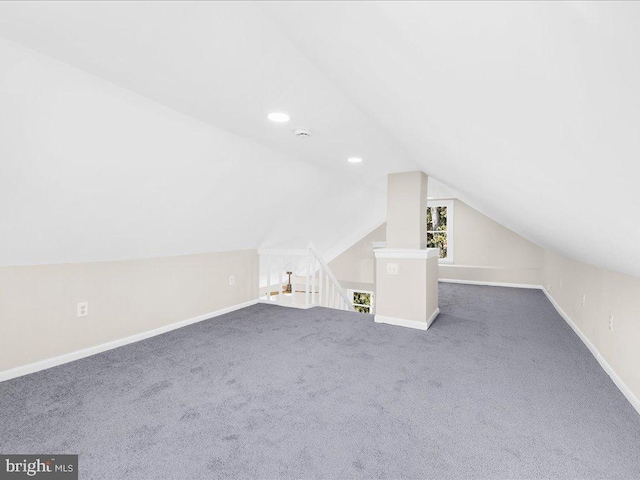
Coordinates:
<point>527,111</point>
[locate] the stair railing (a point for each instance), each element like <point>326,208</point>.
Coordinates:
<point>301,279</point>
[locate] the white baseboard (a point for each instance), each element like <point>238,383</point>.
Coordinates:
<point>491,284</point>
<point>402,322</point>
<point>626,391</point>
<point>433,316</point>
<point>86,352</point>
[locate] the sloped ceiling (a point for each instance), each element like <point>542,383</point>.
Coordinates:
<point>529,111</point>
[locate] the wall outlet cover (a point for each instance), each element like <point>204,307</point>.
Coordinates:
<point>83,309</point>
<point>392,268</point>
<point>232,280</point>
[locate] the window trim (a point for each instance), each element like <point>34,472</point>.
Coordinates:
<point>350,293</point>
<point>449,203</point>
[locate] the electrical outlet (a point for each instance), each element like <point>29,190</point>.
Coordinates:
<point>232,280</point>
<point>83,309</point>
<point>549,288</point>
<point>560,282</point>
<point>611,323</point>
<point>392,269</point>
<point>584,299</point>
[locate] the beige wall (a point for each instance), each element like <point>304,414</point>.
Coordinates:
<point>355,267</point>
<point>406,210</point>
<point>484,251</point>
<point>410,295</point>
<point>606,293</point>
<point>38,317</point>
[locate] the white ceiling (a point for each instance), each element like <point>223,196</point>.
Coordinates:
<point>530,111</point>
<point>223,63</point>
<point>90,171</point>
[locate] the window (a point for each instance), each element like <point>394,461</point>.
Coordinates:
<point>362,301</point>
<point>440,228</point>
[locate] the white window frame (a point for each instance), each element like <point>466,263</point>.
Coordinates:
<point>351,291</point>
<point>449,203</point>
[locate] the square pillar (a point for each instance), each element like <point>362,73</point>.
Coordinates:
<point>406,271</point>
<point>407,287</point>
<point>407,210</point>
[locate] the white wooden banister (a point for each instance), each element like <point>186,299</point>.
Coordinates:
<point>330,275</point>
<point>306,290</point>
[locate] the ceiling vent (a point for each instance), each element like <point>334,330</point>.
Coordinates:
<point>302,132</point>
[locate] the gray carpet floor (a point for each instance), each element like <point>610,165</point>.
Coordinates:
<point>498,387</point>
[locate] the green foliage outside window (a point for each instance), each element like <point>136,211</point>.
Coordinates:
<point>437,229</point>
<point>362,302</point>
<point>361,298</point>
<point>437,219</point>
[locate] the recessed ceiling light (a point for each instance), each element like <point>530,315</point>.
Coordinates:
<point>278,117</point>
<point>354,159</point>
